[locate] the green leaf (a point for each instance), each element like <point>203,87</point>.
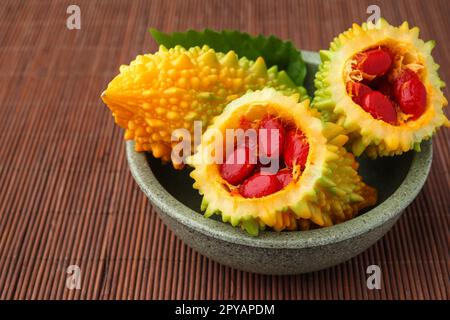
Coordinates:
<point>274,50</point>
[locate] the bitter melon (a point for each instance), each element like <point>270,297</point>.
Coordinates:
<point>381,84</point>
<point>319,187</point>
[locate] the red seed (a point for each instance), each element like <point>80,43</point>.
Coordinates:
<point>413,98</point>
<point>296,148</point>
<point>357,91</point>
<point>374,62</point>
<point>238,166</point>
<point>380,107</point>
<point>411,94</point>
<point>259,185</point>
<point>271,140</point>
<point>405,76</point>
<point>284,177</point>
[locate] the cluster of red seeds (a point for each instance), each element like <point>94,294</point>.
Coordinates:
<point>382,97</point>
<point>282,143</point>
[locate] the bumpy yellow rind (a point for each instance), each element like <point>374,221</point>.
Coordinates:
<point>159,93</point>
<point>329,190</point>
<point>376,137</point>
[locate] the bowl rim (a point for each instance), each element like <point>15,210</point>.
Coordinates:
<point>372,219</point>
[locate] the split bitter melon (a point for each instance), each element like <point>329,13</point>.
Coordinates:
<point>326,189</point>
<point>380,83</point>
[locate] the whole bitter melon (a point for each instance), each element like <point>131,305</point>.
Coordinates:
<point>159,93</point>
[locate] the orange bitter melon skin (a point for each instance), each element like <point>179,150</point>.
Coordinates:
<point>159,93</point>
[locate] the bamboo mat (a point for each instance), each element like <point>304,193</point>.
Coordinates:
<point>68,198</point>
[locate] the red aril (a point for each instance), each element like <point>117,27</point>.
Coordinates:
<point>380,107</point>
<point>296,148</point>
<point>238,166</point>
<point>411,94</point>
<point>284,177</point>
<point>374,62</point>
<point>357,91</point>
<point>271,139</point>
<point>405,76</point>
<point>260,185</point>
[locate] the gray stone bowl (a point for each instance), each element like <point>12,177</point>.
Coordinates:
<point>397,179</point>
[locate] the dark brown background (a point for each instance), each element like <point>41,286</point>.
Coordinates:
<point>67,197</point>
